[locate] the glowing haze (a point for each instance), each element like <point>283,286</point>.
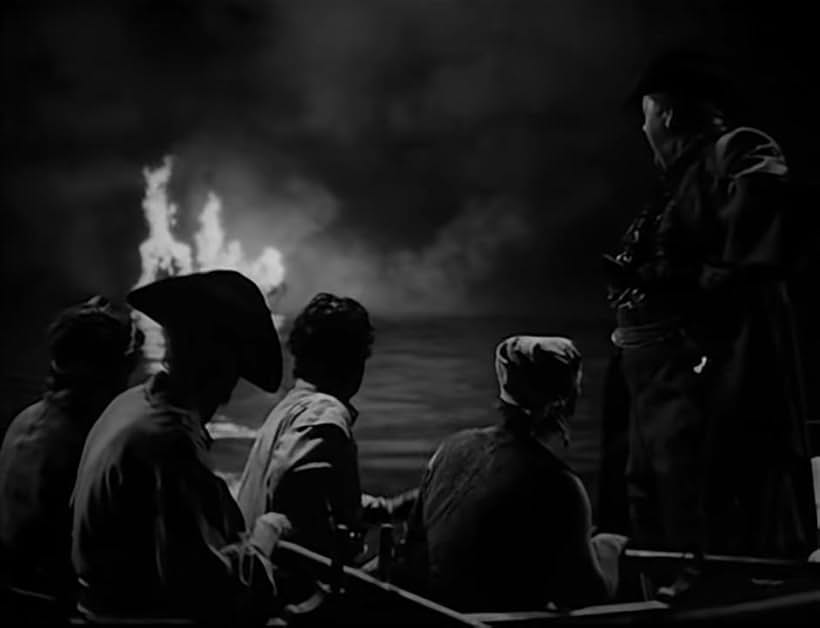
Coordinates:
<point>163,255</point>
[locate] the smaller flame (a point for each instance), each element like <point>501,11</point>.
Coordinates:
<point>164,256</point>
<point>267,271</point>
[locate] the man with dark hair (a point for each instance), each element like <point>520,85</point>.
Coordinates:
<point>156,533</point>
<point>717,454</point>
<point>330,342</point>
<point>501,522</point>
<point>94,348</point>
<point>304,462</point>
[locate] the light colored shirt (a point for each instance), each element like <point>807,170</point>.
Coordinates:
<point>304,464</point>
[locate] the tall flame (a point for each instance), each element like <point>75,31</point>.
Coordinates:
<point>163,255</point>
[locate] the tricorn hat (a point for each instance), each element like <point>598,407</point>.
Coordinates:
<point>688,75</point>
<point>223,298</point>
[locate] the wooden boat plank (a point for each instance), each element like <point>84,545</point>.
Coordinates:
<point>524,617</point>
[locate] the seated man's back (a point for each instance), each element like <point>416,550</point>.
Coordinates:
<point>93,350</point>
<point>501,522</point>
<point>38,463</point>
<point>500,513</point>
<point>304,462</point>
<point>150,518</point>
<point>155,531</point>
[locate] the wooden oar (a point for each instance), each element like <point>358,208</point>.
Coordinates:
<point>404,605</point>
<point>771,566</point>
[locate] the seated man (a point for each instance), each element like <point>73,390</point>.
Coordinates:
<point>501,523</point>
<point>304,462</point>
<point>156,533</point>
<point>93,350</point>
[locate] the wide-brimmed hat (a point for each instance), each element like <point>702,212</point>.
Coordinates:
<point>223,299</point>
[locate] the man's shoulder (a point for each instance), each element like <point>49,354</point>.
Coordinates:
<point>462,442</point>
<point>29,414</point>
<point>308,408</point>
<point>134,396</point>
<point>469,435</point>
<point>745,150</point>
<point>133,422</point>
<point>24,422</point>
<point>130,406</point>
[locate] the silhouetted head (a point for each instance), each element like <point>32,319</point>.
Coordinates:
<point>539,380</point>
<point>218,328</point>
<point>94,348</point>
<point>330,342</point>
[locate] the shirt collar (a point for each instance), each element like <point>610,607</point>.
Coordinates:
<point>306,386</point>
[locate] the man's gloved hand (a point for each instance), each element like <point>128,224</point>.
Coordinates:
<point>383,509</point>
<point>268,530</point>
<point>608,544</point>
<point>618,273</point>
<point>608,548</point>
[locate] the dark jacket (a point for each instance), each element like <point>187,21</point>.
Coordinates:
<point>501,524</point>
<point>38,466</point>
<point>714,254</point>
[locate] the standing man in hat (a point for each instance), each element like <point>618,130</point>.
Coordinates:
<point>94,348</point>
<point>155,531</point>
<point>717,453</point>
<point>501,522</point>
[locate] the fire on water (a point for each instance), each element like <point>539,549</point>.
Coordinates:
<point>163,255</point>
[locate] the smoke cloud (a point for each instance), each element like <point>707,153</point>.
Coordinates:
<point>424,155</point>
<point>304,221</point>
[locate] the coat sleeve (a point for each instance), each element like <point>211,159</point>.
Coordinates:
<point>752,206</point>
<point>587,571</point>
<point>413,563</point>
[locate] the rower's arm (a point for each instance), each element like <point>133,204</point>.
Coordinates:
<point>587,567</point>
<point>321,489</point>
<point>413,567</point>
<point>386,509</point>
<point>203,552</point>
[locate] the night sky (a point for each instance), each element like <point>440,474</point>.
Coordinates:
<point>458,157</point>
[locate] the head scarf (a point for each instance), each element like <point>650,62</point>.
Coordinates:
<point>92,337</point>
<point>536,371</point>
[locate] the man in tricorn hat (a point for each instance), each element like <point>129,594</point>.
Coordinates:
<point>155,531</point>
<point>717,454</point>
<point>93,348</point>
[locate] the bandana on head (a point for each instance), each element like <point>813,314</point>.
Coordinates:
<point>533,371</point>
<point>92,337</point>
